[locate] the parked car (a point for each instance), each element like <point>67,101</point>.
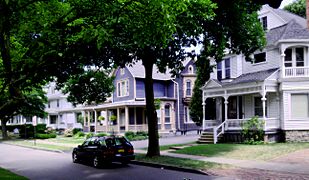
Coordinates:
<point>103,150</point>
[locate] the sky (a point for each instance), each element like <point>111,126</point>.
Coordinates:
<point>285,2</point>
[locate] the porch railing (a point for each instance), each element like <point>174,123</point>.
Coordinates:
<point>218,131</point>
<point>296,71</point>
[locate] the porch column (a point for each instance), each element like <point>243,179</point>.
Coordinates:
<point>88,114</point>
<point>135,128</point>
<point>282,64</point>
<point>118,119</point>
<point>226,102</point>
<point>85,119</point>
<point>162,117</point>
<point>126,118</point>
<point>95,121</point>
<point>204,116</point>
<point>264,106</point>
<point>106,120</point>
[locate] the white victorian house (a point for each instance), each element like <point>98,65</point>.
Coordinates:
<point>274,87</point>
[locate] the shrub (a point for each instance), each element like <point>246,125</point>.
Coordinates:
<point>101,134</point>
<point>252,131</point>
<point>45,136</point>
<point>89,135</point>
<point>76,130</point>
<point>79,134</point>
<point>41,128</point>
<point>140,135</point>
<point>68,133</point>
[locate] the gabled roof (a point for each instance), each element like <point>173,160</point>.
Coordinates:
<point>251,77</point>
<point>212,83</point>
<point>295,28</point>
<point>138,71</point>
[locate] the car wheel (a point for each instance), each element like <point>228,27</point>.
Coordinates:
<point>96,162</point>
<point>75,158</point>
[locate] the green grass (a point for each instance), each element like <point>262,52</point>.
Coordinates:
<point>180,162</point>
<point>67,140</point>
<point>5,174</point>
<point>30,143</point>
<point>167,147</point>
<point>243,151</point>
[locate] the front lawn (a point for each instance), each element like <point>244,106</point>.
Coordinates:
<point>180,162</point>
<point>39,145</point>
<point>5,174</point>
<point>67,140</point>
<point>243,151</point>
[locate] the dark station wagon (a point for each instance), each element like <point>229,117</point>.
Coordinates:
<point>104,150</point>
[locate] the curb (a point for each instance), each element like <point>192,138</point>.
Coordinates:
<point>37,148</point>
<point>162,166</point>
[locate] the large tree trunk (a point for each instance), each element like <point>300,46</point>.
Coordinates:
<point>153,143</point>
<point>3,128</point>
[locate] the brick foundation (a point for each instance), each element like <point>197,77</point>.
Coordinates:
<point>297,136</point>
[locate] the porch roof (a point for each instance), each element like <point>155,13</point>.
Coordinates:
<point>249,83</point>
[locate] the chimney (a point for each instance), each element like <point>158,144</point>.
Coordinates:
<point>307,13</point>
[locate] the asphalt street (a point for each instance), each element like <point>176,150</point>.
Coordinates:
<point>43,165</point>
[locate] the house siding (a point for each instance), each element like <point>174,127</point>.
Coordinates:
<point>272,61</point>
<point>118,77</point>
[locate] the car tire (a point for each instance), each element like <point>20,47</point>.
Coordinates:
<point>75,158</point>
<point>96,162</point>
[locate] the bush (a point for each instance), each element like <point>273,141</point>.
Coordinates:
<point>89,135</point>
<point>76,130</point>
<point>46,136</point>
<point>68,133</point>
<point>140,135</point>
<point>101,134</point>
<point>79,134</point>
<point>252,131</point>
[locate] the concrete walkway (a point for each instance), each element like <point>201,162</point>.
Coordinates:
<point>262,165</point>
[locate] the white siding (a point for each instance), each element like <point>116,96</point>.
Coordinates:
<point>272,105</point>
<point>272,61</point>
<point>234,69</point>
<point>248,106</point>
<point>273,20</point>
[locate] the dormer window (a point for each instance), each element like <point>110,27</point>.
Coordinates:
<point>264,22</point>
<point>224,69</point>
<point>191,69</point>
<point>260,57</point>
<point>121,71</point>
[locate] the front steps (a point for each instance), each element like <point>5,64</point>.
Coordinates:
<point>208,138</point>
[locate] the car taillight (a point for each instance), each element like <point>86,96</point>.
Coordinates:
<point>131,150</point>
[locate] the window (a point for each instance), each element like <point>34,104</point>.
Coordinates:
<point>191,70</point>
<point>258,107</point>
<point>227,64</point>
<point>299,57</point>
<point>264,23</point>
<point>53,119</point>
<point>167,114</point>
<point>123,88</point>
<point>48,104</point>
<point>57,102</point>
<point>261,57</point>
<point>300,105</point>
<point>188,88</point>
<point>288,58</point>
<point>219,70</point>
<point>121,71</point>
<point>187,115</point>
<point>224,69</point>
<point>294,57</point>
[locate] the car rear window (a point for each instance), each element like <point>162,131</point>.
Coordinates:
<point>120,141</point>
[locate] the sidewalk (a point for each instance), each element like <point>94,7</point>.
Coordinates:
<point>262,165</point>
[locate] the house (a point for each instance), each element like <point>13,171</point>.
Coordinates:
<point>128,101</point>
<point>274,87</point>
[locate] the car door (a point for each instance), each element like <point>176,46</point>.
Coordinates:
<point>82,149</point>
<point>91,149</point>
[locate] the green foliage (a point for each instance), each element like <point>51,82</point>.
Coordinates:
<point>252,131</point>
<point>113,118</point>
<point>27,131</point>
<point>80,119</point>
<point>297,7</point>
<point>76,130</point>
<point>89,135</point>
<point>135,136</point>
<point>101,134</point>
<point>46,136</point>
<point>79,134</point>
<point>203,74</point>
<point>101,118</point>
<point>68,132</point>
<point>157,103</point>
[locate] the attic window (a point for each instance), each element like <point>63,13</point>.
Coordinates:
<point>191,70</point>
<point>264,22</point>
<point>260,57</point>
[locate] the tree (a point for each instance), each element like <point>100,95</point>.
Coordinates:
<point>297,7</point>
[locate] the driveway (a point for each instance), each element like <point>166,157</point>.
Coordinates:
<point>37,164</point>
